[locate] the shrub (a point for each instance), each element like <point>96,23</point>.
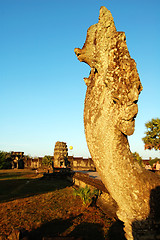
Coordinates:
<point>47,161</point>
<point>86,194</point>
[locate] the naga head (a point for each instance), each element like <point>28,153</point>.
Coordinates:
<point>113,73</point>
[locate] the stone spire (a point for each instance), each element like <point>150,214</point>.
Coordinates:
<point>60,154</point>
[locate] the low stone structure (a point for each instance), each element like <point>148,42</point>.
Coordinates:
<point>80,163</point>
<point>104,201</point>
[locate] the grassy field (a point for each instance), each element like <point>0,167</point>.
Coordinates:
<point>21,184</point>
<point>48,208</point>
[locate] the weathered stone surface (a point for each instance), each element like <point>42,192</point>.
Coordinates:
<point>107,204</point>
<point>113,88</point>
<point>60,154</point>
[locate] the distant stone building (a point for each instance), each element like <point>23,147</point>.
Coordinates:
<point>146,164</point>
<point>80,163</point>
<point>60,159</point>
<point>27,162</point>
<point>60,154</point>
<point>33,162</point>
<point>158,166</point>
<point>155,167</point>
<point>17,159</point>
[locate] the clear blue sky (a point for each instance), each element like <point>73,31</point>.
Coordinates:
<point>41,81</point>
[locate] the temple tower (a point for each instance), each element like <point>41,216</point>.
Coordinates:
<point>60,154</point>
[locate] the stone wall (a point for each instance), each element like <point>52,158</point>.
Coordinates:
<point>80,163</point>
<point>104,201</point>
<point>33,162</point>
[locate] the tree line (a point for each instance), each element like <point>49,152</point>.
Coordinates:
<point>5,160</point>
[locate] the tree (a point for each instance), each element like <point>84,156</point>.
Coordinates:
<point>47,161</point>
<point>5,160</point>
<point>137,158</point>
<point>152,138</point>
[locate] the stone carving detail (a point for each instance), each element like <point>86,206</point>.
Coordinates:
<point>60,154</point>
<point>113,88</point>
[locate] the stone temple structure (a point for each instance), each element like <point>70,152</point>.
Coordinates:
<point>60,154</point>
<point>113,89</point>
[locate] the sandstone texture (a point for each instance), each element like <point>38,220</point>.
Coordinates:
<point>113,89</point>
<point>60,154</point>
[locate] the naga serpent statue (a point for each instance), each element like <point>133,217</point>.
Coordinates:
<point>113,88</point>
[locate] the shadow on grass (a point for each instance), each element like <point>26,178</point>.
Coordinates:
<point>20,188</point>
<point>85,230</point>
<point>56,228</point>
<point>88,231</point>
<point>116,231</point>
